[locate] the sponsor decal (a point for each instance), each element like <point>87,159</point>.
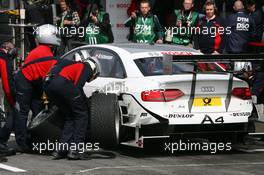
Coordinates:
<point>143,114</point>
<point>208,120</point>
<point>122,5</point>
<point>242,24</point>
<point>241,114</point>
<point>207,101</point>
<point>143,29</point>
<point>153,54</point>
<point>120,25</point>
<point>180,115</point>
<point>208,89</point>
<point>176,53</point>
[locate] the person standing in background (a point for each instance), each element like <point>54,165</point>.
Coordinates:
<point>258,18</point>
<point>146,26</point>
<point>211,43</point>
<point>7,53</point>
<point>242,30</point>
<point>99,29</point>
<point>185,18</point>
<point>66,20</point>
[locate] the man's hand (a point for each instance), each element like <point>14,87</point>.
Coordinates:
<point>67,22</point>
<point>179,23</point>
<point>159,41</point>
<point>94,18</point>
<point>56,18</point>
<point>215,53</point>
<point>133,15</point>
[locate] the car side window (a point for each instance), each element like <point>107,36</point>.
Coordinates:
<point>110,64</point>
<point>79,54</point>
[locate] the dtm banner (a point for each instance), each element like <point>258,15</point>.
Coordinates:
<point>118,14</point>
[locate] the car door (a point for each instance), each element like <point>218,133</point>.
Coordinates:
<point>112,70</point>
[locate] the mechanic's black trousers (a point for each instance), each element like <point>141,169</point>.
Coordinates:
<point>9,126</point>
<point>28,98</point>
<point>72,102</point>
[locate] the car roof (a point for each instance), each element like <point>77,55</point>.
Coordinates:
<point>139,48</point>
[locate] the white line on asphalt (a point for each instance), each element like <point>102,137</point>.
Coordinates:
<point>256,133</point>
<point>164,166</point>
<point>11,168</point>
<point>249,150</point>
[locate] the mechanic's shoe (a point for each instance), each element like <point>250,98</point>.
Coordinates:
<point>2,158</point>
<point>74,155</point>
<point>7,151</point>
<point>59,155</point>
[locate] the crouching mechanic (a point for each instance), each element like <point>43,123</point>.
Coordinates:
<point>64,86</point>
<point>7,53</point>
<point>28,80</point>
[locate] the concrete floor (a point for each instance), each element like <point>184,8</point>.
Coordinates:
<point>131,161</point>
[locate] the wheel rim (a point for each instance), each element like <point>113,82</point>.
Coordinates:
<point>117,124</point>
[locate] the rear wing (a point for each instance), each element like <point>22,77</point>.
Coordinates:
<point>223,58</point>
<point>230,59</point>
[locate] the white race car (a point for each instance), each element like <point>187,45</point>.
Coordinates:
<point>144,93</point>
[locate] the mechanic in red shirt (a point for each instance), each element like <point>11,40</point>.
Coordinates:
<point>28,80</point>
<point>64,86</point>
<point>7,53</point>
<point>41,51</point>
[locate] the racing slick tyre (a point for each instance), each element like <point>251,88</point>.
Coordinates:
<point>105,120</point>
<point>45,127</point>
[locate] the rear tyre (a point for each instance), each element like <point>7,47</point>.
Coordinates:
<point>105,120</point>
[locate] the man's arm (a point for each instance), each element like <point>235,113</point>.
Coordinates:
<point>105,24</point>
<point>75,19</point>
<point>129,22</point>
<point>158,29</point>
<point>252,28</point>
<point>222,23</point>
<point>7,82</point>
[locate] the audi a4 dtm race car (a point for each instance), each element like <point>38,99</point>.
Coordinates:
<point>143,93</point>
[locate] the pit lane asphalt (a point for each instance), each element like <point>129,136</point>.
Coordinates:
<point>131,161</point>
<point>153,160</point>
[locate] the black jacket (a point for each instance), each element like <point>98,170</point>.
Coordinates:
<point>242,32</point>
<point>215,39</point>
<point>259,21</point>
<point>6,73</point>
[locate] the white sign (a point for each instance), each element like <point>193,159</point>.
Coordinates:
<point>117,10</point>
